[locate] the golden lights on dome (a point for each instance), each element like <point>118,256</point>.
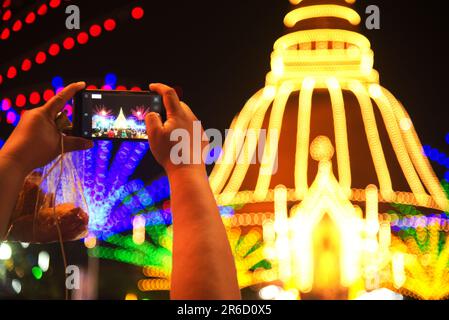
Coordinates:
<point>338,61</point>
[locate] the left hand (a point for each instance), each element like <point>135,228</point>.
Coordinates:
<point>37,141</point>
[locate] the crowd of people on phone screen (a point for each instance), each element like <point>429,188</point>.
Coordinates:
<point>113,133</point>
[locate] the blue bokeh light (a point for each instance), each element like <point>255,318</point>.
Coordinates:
<point>111,80</point>
<point>57,82</point>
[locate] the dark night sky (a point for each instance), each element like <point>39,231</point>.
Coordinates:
<point>219,53</point>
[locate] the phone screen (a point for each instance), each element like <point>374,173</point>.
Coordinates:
<point>114,115</point>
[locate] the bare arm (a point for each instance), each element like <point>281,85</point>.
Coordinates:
<point>203,265</point>
<point>12,177</point>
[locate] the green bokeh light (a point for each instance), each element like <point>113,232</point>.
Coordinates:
<point>37,272</point>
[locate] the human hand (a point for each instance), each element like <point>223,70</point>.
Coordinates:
<point>43,227</point>
<point>37,141</point>
<point>179,116</point>
<point>36,219</point>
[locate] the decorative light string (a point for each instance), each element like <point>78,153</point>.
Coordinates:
<point>29,18</point>
<point>68,43</point>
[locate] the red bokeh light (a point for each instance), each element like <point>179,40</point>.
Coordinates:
<point>42,10</point>
<point>6,3</point>
<point>12,72</point>
<point>137,13</point>
<point>68,110</point>
<point>30,18</point>
<point>41,57</point>
<point>91,87</point>
<point>17,26</point>
<point>166,205</point>
<point>120,88</point>
<point>35,97</point>
<point>7,15</point>
<point>26,65</point>
<point>68,43</point>
<point>5,34</point>
<point>5,104</point>
<point>21,100</point>
<point>136,89</point>
<point>55,3</point>
<point>95,30</point>
<point>48,94</point>
<point>1,79</point>
<point>82,38</point>
<point>54,49</point>
<point>110,24</point>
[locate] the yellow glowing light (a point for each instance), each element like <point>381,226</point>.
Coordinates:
<point>319,11</point>
<point>282,230</point>
<point>321,149</point>
<point>139,224</point>
<point>90,241</point>
<point>425,270</point>
<point>336,61</point>
<point>154,285</point>
<point>233,143</point>
<point>398,270</point>
<point>131,296</point>
<point>372,211</point>
<point>248,150</point>
<point>271,147</point>
<point>372,134</point>
<point>375,91</point>
<point>332,35</point>
<point>295,2</point>
<point>341,134</point>
<point>303,136</point>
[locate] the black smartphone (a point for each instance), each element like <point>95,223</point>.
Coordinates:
<point>114,115</point>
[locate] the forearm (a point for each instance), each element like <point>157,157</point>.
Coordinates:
<point>11,182</point>
<point>203,265</point>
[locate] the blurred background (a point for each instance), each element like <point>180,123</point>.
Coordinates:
<point>216,55</point>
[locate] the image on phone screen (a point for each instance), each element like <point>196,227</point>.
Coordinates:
<point>117,115</point>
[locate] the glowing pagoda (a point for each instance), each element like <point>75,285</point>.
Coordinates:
<point>340,150</point>
<point>121,122</point>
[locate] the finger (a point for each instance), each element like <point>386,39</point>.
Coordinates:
<point>187,109</point>
<point>76,144</point>
<point>154,124</point>
<point>170,97</point>
<point>57,103</point>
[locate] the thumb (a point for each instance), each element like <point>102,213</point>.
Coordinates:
<point>76,144</point>
<point>154,124</point>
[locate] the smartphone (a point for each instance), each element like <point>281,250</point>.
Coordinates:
<point>114,115</point>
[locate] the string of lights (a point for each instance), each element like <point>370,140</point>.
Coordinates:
<point>68,43</point>
<point>29,18</point>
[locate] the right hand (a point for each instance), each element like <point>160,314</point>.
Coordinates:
<point>179,116</point>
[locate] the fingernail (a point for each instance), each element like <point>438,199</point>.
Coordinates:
<point>82,83</point>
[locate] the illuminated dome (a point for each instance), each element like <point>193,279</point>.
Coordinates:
<point>338,146</point>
